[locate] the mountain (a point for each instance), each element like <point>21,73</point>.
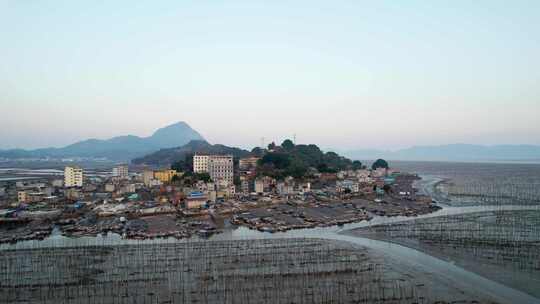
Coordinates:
<point>454,152</point>
<point>121,148</point>
<point>166,157</point>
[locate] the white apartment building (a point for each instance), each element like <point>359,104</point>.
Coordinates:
<point>120,171</point>
<point>148,177</point>
<point>219,167</point>
<point>73,177</point>
<point>200,163</point>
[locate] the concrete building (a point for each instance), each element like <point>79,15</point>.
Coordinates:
<point>148,176</point>
<point>259,186</point>
<point>248,163</point>
<point>57,183</point>
<point>245,186</point>
<point>379,172</point>
<point>196,200</point>
<point>109,187</point>
<point>73,176</point>
<point>154,183</point>
<point>73,194</point>
<point>200,163</point>
<point>342,186</point>
<point>219,167</point>
<point>22,196</point>
<point>165,175</point>
<point>120,171</point>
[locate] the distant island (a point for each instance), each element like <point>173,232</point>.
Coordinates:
<point>453,152</point>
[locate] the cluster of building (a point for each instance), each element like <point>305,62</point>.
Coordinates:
<point>157,185</point>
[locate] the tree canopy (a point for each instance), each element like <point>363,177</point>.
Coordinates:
<point>296,160</point>
<point>356,165</point>
<point>287,144</point>
<point>379,163</point>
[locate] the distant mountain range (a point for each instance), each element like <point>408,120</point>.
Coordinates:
<point>166,157</point>
<point>453,152</point>
<point>121,148</point>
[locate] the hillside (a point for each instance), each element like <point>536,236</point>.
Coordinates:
<point>166,157</point>
<point>297,160</point>
<point>120,148</point>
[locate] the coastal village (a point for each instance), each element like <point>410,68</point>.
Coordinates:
<point>203,195</point>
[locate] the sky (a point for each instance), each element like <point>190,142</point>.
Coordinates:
<point>341,74</point>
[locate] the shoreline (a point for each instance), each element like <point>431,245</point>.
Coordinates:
<point>518,279</point>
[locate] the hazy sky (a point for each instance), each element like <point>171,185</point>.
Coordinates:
<point>342,74</point>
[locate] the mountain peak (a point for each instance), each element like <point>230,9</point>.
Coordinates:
<point>174,135</point>
<point>118,148</point>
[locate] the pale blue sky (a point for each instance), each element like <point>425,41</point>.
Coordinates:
<point>342,74</point>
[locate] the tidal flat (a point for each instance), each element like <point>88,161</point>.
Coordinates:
<point>503,246</point>
<point>295,270</point>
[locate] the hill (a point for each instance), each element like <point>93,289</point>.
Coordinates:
<point>120,148</point>
<point>166,157</point>
<point>297,160</point>
<point>455,152</point>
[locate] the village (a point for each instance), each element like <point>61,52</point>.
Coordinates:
<point>215,191</point>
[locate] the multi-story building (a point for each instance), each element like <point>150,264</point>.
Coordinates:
<point>148,176</point>
<point>165,176</point>
<point>73,176</point>
<point>259,186</point>
<point>57,183</point>
<point>22,196</point>
<point>200,163</point>
<point>120,171</point>
<point>219,167</point>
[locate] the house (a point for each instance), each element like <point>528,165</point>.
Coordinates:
<point>22,196</point>
<point>165,175</point>
<point>248,163</point>
<point>379,172</point>
<point>109,188</point>
<point>196,199</point>
<point>347,185</point>
<point>259,186</point>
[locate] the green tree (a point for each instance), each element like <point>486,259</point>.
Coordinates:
<point>356,165</point>
<point>202,176</point>
<point>278,160</point>
<point>287,144</point>
<point>272,146</point>
<point>379,163</point>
